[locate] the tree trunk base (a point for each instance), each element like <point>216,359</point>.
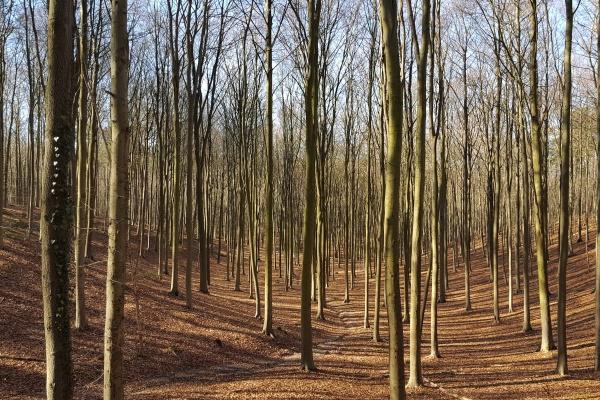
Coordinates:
<point>414,383</point>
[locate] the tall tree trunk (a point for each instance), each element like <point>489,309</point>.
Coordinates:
<point>311,107</point>
<point>466,196</point>
<point>78,245</point>
<point>93,144</point>
<point>597,285</point>
<point>547,342</point>
<point>118,204</point>
<point>508,204</point>
<point>497,176</point>
<point>268,318</point>
<point>189,221</point>
<point>435,212</point>
<point>526,219</point>
<point>30,124</point>
<point>565,151</point>
<point>381,223</point>
<point>199,155</point>
<point>394,114</point>
<point>56,216</point>
<point>4,157</point>
<point>175,65</point>
<point>368,194</point>
<point>422,49</point>
<point>347,128</point>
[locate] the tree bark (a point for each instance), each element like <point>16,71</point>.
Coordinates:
<point>56,212</point>
<point>175,66</point>
<point>422,49</point>
<point>597,285</point>
<point>547,342</point>
<point>311,107</point>
<point>565,152</point>
<point>78,245</point>
<point>394,113</point>
<point>268,318</point>
<point>118,204</point>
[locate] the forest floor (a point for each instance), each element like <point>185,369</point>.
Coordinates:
<point>216,349</point>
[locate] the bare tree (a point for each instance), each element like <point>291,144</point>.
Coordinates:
<point>394,115</point>
<point>118,237</point>
<point>56,216</point>
<point>565,152</point>
<point>311,113</point>
<point>547,342</point>
<point>421,48</point>
<point>80,223</point>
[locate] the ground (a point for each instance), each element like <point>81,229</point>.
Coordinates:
<point>216,350</point>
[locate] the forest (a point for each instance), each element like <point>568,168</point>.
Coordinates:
<point>299,199</point>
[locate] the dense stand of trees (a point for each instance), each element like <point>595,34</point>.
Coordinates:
<point>303,139</point>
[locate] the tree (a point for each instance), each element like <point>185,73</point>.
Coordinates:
<point>522,143</point>
<point>310,110</point>
<point>175,78</point>
<point>56,218</point>
<point>435,127</point>
<point>248,114</point>
<point>369,195</point>
<point>80,313</point>
<point>348,127</point>
<point>565,153</point>
<point>30,125</point>
<point>422,51</point>
<point>508,160</point>
<point>547,343</point>
<point>523,170</point>
<point>597,285</point>
<point>118,204</point>
<point>467,168</point>
<point>394,114</point>
<point>381,222</point>
<point>5,31</point>
<point>97,34</point>
<point>268,321</point>
<point>205,76</point>
<point>496,169</point>
<point>189,217</point>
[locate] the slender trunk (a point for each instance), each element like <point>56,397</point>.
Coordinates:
<point>311,107</point>
<point>381,238</point>
<point>189,222</point>
<point>466,197</point>
<point>435,213</point>
<point>368,194</point>
<point>118,205</point>
<point>565,151</point>
<point>268,318</point>
<point>4,157</point>
<point>30,122</point>
<point>497,176</point>
<point>597,285</point>
<point>416,374</point>
<point>547,342</point>
<point>526,220</point>
<point>78,245</point>
<point>175,63</point>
